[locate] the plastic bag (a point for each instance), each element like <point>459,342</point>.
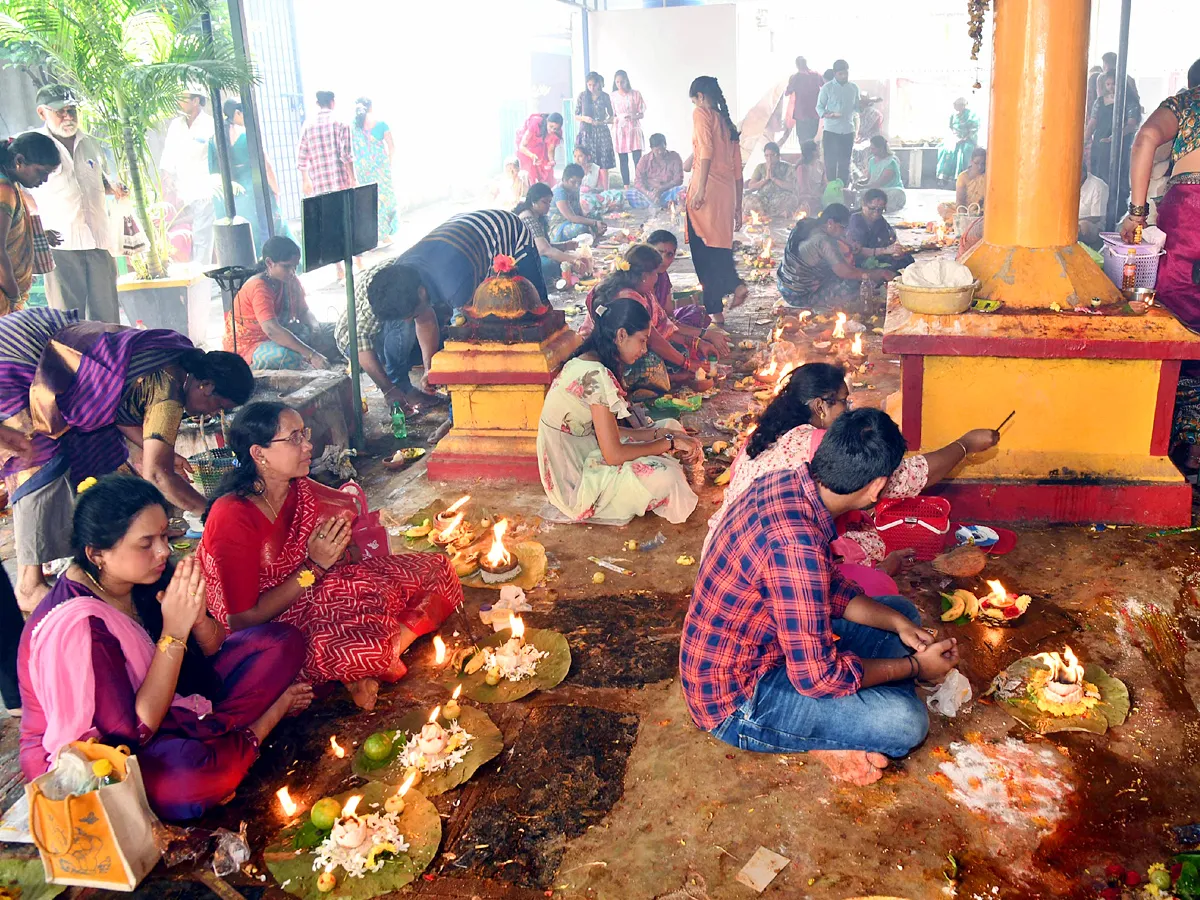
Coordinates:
<point>72,774</point>
<point>231,852</point>
<point>952,694</point>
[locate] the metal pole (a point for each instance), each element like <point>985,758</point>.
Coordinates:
<point>1117,151</point>
<point>587,50</point>
<point>222,131</point>
<point>352,317</point>
<point>258,168</point>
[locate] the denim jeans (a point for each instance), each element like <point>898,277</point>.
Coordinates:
<point>399,347</point>
<point>888,718</point>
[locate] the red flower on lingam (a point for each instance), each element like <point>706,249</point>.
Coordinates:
<point>503,264</point>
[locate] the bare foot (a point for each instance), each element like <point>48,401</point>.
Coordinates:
<point>856,766</point>
<point>365,692</point>
<point>740,296</point>
<point>15,713</point>
<point>302,698</point>
<point>266,723</point>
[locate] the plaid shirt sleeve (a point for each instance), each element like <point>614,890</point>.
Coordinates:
<point>841,592</point>
<point>345,154</point>
<point>304,149</point>
<point>795,581</point>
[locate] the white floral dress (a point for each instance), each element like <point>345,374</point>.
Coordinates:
<point>795,449</point>
<point>577,480</point>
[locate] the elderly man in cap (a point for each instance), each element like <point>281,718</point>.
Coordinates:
<point>72,203</point>
<point>184,167</point>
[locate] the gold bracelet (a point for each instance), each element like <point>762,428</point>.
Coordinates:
<point>166,642</point>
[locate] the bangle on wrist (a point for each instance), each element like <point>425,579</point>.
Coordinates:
<point>966,452</point>
<point>167,641</point>
<point>914,667</point>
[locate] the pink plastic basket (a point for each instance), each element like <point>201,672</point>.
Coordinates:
<point>1145,257</point>
<point>917,523</point>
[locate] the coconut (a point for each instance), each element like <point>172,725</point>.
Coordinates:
<point>961,562</point>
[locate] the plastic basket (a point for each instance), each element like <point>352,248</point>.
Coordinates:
<point>209,467</point>
<point>917,523</point>
<point>1145,257</point>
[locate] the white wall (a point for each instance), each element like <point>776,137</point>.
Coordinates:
<point>663,50</point>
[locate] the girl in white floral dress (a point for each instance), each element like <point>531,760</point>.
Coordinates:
<point>594,470</point>
<point>790,430</point>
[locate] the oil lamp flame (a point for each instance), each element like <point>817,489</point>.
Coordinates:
<point>407,785</point>
<point>351,806</point>
<point>498,556</point>
<point>755,219</point>
<point>998,591</point>
<point>769,370</point>
<point>804,314</point>
<point>286,803</point>
<point>803,215</point>
<point>857,348</point>
<point>439,649</point>
<point>1064,669</point>
<point>839,329</point>
<point>446,533</point>
<point>766,249</point>
<point>437,711</point>
<point>338,751</point>
<point>518,628</point>
<point>777,333</point>
<point>456,505</point>
<point>457,691</point>
<point>783,374</point>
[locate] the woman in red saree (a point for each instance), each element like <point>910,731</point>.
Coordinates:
<point>537,141</point>
<point>276,547</point>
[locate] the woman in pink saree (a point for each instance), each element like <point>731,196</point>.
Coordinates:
<point>536,142</point>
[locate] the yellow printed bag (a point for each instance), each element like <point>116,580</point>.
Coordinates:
<point>101,839</point>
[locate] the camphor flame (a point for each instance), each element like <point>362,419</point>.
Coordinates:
<point>338,751</point>
<point>857,348</point>
<point>1064,669</point>
<point>351,806</point>
<point>755,218</point>
<point>766,249</point>
<point>446,533</point>
<point>439,649</point>
<point>803,215</point>
<point>407,785</point>
<point>437,711</point>
<point>498,556</point>
<point>286,803</point>
<point>457,691</point>
<point>777,333</point>
<point>518,628</point>
<point>839,329</point>
<point>456,505</point>
<point>999,594</point>
<point>783,374</point>
<point>804,314</point>
<point>769,370</point>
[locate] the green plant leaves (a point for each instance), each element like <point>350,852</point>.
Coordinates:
<point>550,670</point>
<point>29,876</point>
<point>419,823</point>
<point>485,745</point>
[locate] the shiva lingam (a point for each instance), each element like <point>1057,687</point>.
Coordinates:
<point>1059,688</point>
<point>498,363</point>
<point>499,565</point>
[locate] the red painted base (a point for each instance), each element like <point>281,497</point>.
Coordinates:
<point>1155,505</point>
<point>445,466</point>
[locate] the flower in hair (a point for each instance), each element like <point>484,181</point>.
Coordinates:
<point>623,265</point>
<point>503,264</point>
<point>85,485</point>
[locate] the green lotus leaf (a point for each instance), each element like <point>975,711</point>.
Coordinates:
<point>549,673</point>
<point>485,745</point>
<point>419,823</point>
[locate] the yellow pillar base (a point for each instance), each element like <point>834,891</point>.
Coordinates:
<point>1094,397</point>
<point>496,395</point>
<point>1033,278</point>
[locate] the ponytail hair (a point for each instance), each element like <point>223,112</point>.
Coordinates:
<point>36,148</point>
<point>254,426</point>
<point>707,86</point>
<point>610,316</point>
<point>279,248</point>
<point>229,373</point>
<point>790,409</point>
<point>537,191</point>
<point>362,106</point>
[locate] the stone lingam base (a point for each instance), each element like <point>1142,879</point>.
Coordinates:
<point>497,371</point>
<point>323,398</point>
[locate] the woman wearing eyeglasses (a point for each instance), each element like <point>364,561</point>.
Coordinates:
<point>277,547</point>
<point>790,430</point>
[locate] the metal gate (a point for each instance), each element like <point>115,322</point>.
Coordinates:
<point>271,32</point>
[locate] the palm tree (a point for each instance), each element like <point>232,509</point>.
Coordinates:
<point>129,61</point>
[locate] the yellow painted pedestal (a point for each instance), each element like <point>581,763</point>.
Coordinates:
<point>1094,396</point>
<point>496,393</point>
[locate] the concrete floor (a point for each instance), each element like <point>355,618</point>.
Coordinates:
<point>605,789</point>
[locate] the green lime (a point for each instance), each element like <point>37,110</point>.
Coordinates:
<point>324,813</point>
<point>377,747</point>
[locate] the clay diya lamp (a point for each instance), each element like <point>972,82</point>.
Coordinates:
<point>499,565</point>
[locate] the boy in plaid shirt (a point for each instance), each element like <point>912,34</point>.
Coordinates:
<point>758,660</point>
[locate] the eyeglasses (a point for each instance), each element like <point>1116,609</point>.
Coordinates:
<point>834,400</point>
<point>296,438</point>
<point>876,208</point>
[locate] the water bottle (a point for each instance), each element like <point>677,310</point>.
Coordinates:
<point>102,769</point>
<point>399,423</point>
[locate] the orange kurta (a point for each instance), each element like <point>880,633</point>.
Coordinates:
<point>713,222</point>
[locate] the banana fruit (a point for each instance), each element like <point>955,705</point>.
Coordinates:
<point>419,531</point>
<point>962,603</point>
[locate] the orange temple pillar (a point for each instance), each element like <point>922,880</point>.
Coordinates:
<point>1029,257</point>
<point>1092,384</point>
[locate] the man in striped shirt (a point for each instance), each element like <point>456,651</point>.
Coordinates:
<point>406,302</point>
<point>780,653</point>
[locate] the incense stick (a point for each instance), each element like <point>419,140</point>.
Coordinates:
<point>1006,421</point>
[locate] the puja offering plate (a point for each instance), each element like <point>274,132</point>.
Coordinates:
<point>483,742</point>
<point>294,857</point>
<point>1049,693</point>
<point>536,674</point>
<point>403,457</point>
